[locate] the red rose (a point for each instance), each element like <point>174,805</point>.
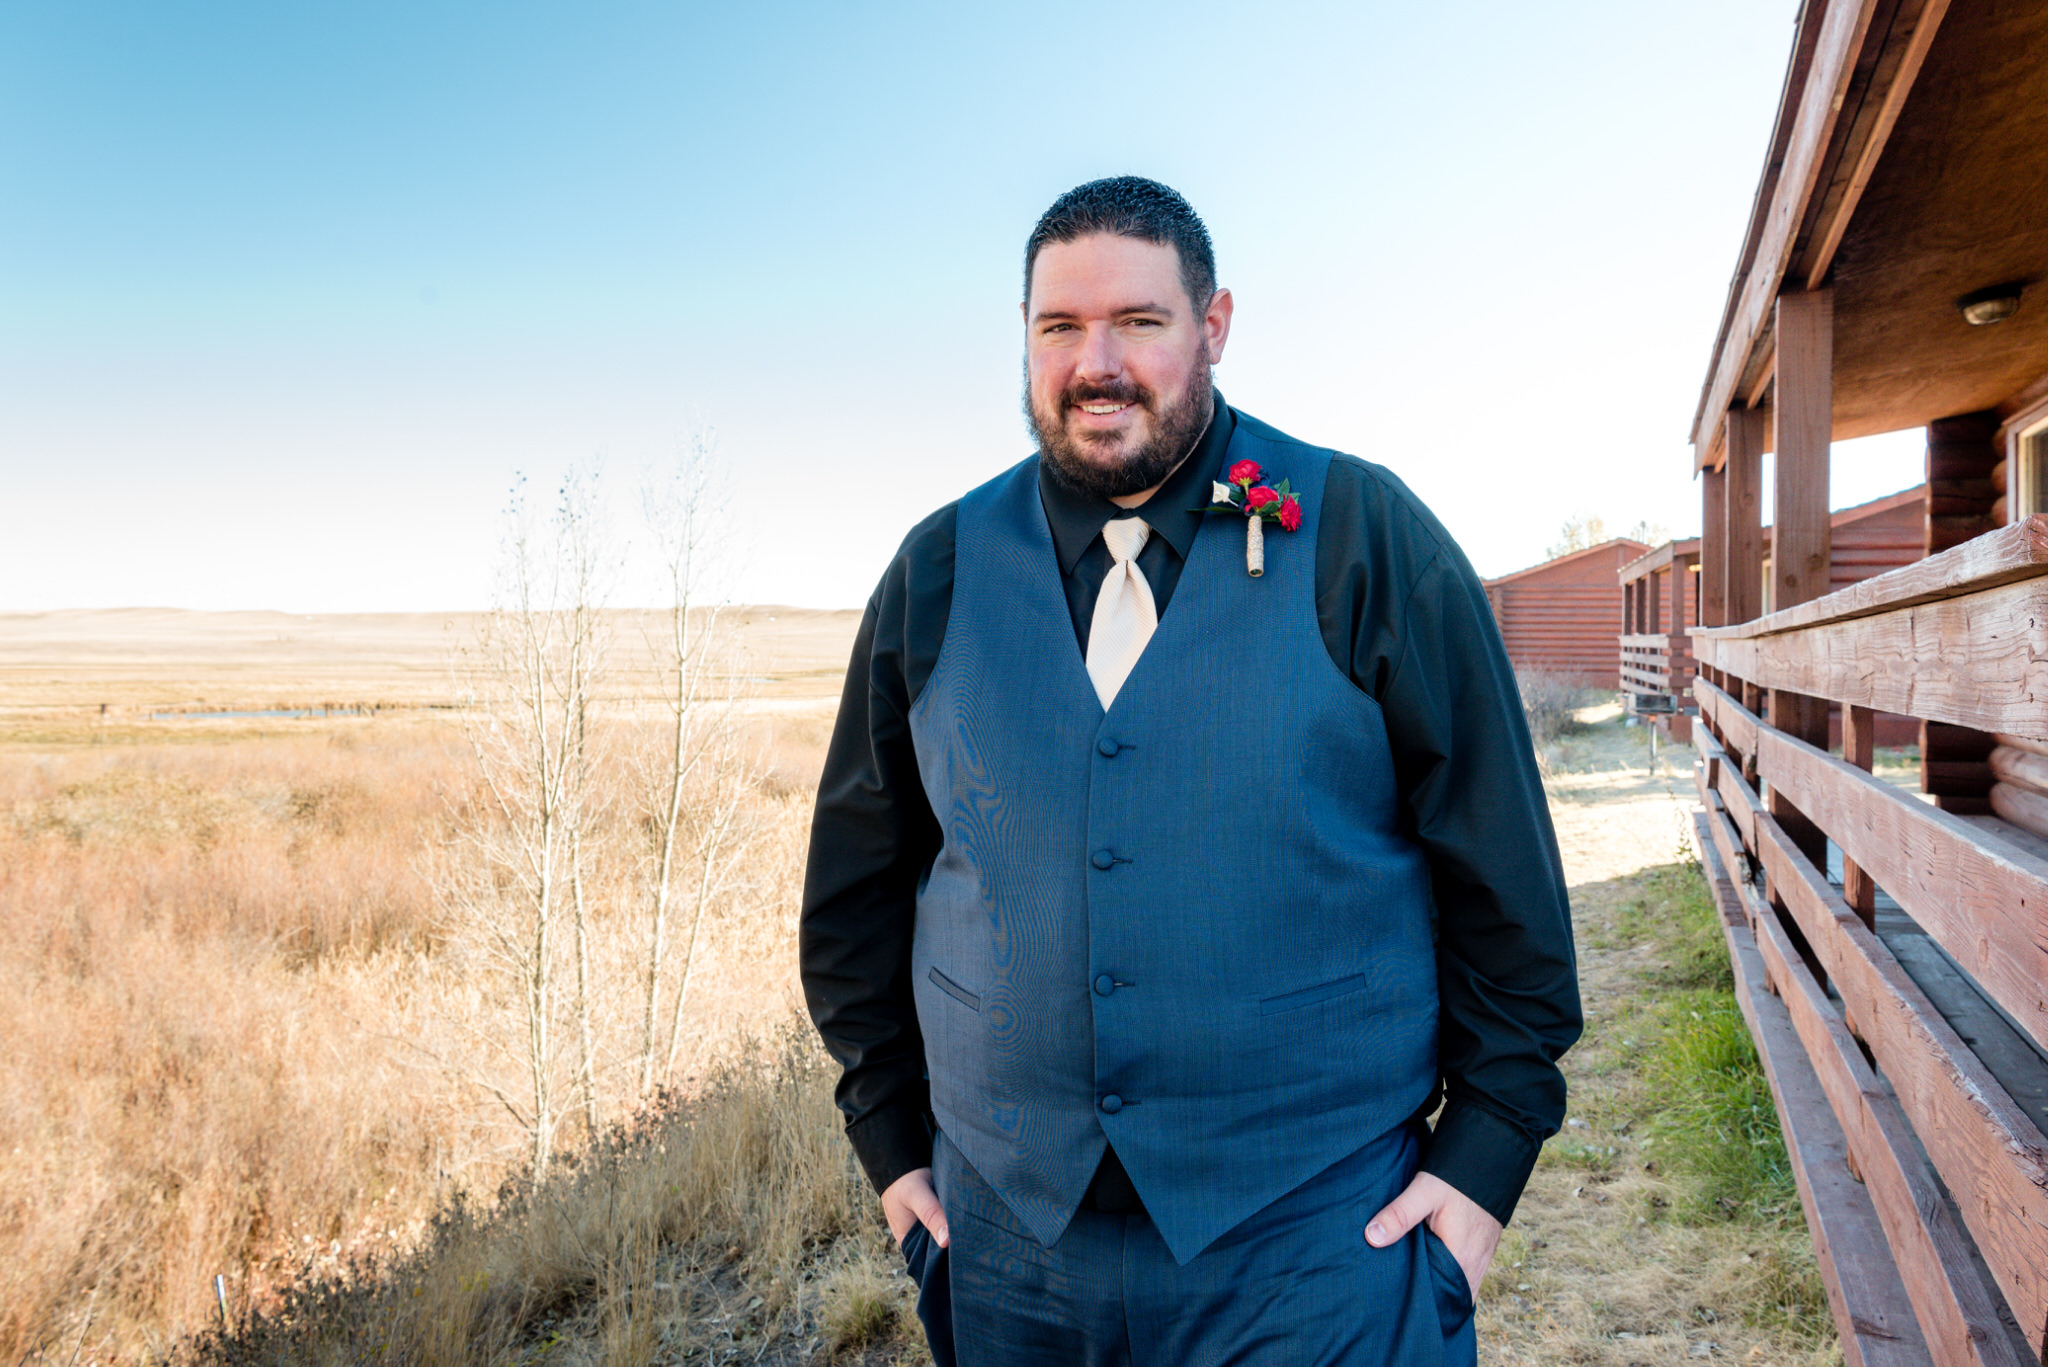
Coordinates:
<point>1290,514</point>
<point>1245,471</point>
<point>1259,497</point>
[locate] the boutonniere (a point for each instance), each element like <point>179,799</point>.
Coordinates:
<point>1247,495</point>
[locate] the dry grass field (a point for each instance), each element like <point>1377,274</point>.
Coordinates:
<point>241,1039</point>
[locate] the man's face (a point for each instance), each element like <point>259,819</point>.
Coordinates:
<point>1117,361</point>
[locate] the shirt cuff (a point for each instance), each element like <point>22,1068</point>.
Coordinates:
<point>890,1142</point>
<point>1487,1159</point>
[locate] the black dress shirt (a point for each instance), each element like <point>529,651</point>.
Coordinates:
<point>1404,616</point>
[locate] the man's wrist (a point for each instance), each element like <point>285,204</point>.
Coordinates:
<point>1486,1158</point>
<point>890,1141</point>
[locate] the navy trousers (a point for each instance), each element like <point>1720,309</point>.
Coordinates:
<point>1294,1286</point>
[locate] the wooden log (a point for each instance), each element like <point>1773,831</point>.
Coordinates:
<point>2020,768</point>
<point>1997,480</point>
<point>1990,1153</point>
<point>1988,907</point>
<point>1874,1317</point>
<point>1979,661</point>
<point>1998,511</point>
<point>2023,807</point>
<point>1802,428</point>
<point>2009,554</point>
<point>1956,1311</point>
<point>2027,743</point>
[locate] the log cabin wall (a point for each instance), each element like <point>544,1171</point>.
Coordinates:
<point>1562,617</point>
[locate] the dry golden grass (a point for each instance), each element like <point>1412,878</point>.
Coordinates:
<point>235,1029</point>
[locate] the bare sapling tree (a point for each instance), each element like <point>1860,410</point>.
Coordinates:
<point>695,781</point>
<point>524,847</point>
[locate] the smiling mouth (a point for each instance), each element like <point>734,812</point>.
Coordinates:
<point>1102,410</point>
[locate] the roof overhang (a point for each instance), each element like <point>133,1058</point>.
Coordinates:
<point>1904,168</point>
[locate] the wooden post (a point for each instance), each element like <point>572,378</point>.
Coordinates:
<point>1859,747</point>
<point>1962,458</point>
<point>1803,428</point>
<point>1714,546</point>
<point>1802,432</point>
<point>1742,592</point>
<point>1655,602</point>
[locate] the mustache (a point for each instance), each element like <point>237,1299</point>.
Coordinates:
<point>1119,391</point>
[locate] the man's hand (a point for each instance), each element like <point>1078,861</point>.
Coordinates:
<point>910,1200</point>
<point>1469,1232</point>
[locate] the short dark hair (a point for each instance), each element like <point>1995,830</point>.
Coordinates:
<point>1131,206</point>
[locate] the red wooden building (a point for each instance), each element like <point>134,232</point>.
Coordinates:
<point>1891,949</point>
<point>1561,616</point>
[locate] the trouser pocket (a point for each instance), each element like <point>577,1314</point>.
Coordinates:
<point>1454,1303</point>
<point>926,1262</point>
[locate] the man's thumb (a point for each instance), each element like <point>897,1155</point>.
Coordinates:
<point>1400,1216</point>
<point>924,1204</point>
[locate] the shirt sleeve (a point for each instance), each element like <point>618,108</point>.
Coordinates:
<point>1420,638</point>
<point>873,836</point>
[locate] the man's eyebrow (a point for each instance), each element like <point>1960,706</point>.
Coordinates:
<point>1068,315</point>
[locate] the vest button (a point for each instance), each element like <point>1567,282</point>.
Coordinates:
<point>1102,859</point>
<point>1107,748</point>
<point>1104,985</point>
<point>1111,1104</point>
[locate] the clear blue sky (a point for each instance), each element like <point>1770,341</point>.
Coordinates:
<point>289,292</point>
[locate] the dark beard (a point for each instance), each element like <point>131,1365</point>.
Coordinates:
<point>1177,428</point>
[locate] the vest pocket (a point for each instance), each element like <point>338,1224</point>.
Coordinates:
<point>1309,996</point>
<point>955,991</point>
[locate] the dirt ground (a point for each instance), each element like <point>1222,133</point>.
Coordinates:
<point>1590,1271</point>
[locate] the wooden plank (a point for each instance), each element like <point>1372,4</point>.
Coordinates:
<point>1803,427</point>
<point>1742,585</point>
<point>1956,1312</point>
<point>1979,662</point>
<point>1873,1314</point>
<point>1842,29</point>
<point>1987,906</point>
<point>1731,718</point>
<point>1988,1150</point>
<point>2005,556</point>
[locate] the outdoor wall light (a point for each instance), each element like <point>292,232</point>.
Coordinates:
<point>1991,305</point>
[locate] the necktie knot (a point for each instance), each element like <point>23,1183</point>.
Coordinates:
<point>1125,537</point>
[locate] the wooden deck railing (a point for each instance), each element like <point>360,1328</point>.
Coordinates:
<point>1892,957</point>
<point>1657,666</point>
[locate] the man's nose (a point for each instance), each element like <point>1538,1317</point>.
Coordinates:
<point>1101,358</point>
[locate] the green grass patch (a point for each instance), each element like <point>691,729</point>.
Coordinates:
<point>1713,1129</point>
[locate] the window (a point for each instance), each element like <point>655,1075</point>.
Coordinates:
<point>2028,485</point>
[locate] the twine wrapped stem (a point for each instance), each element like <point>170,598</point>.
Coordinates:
<point>1254,546</point>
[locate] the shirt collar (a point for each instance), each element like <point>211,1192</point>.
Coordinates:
<point>1077,518</point>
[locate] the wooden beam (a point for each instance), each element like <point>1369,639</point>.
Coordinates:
<point>1912,54</point>
<point>1742,569</point>
<point>1859,747</point>
<point>1842,29</point>
<point>2005,556</point>
<point>1803,430</point>
<point>1874,1317</point>
<point>1979,661</point>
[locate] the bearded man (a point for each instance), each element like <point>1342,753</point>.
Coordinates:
<point>1153,904</point>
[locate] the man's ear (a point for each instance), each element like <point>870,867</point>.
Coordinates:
<point>1216,324</point>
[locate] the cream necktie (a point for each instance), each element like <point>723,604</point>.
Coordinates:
<point>1125,615</point>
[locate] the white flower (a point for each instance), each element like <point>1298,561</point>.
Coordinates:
<point>1219,492</point>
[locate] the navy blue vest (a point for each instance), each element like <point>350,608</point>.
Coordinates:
<point>1188,925</point>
